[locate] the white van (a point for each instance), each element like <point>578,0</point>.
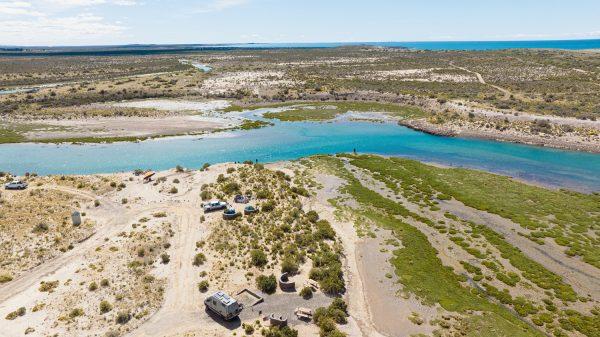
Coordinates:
<point>223,305</point>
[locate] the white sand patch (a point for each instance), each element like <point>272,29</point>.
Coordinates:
<point>174,105</point>
<point>419,75</point>
<point>247,80</point>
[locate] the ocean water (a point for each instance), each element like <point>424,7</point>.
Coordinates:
<point>441,45</point>
<point>288,141</point>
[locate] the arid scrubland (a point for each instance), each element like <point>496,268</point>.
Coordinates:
<point>539,97</point>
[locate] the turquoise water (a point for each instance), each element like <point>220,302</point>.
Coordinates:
<point>286,141</point>
<point>442,45</point>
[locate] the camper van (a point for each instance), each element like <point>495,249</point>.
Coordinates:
<point>223,305</point>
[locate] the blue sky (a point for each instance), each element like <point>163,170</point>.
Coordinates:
<point>92,22</point>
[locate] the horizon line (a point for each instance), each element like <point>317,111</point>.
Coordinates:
<point>300,43</point>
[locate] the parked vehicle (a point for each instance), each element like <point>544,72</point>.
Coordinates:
<point>230,214</point>
<point>223,305</point>
<point>16,185</point>
<point>250,210</point>
<point>214,206</point>
<point>241,199</point>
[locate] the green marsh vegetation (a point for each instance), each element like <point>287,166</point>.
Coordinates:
<point>569,218</point>
<point>420,270</point>
<point>322,111</point>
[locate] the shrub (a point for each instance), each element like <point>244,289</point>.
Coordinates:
<point>93,286</point>
<point>123,317</point>
<point>76,313</point>
<point>165,258</point>
<point>248,329</point>
<point>324,230</point>
<point>258,258</point>
<point>268,206</point>
<point>124,201</point>
<point>17,313</point>
<point>203,286</point>
<point>312,216</point>
<point>205,166</point>
<point>267,284</point>
<point>205,195</point>
<point>104,283</point>
<point>173,190</point>
<point>300,191</point>
<point>105,307</point>
<point>231,187</point>
<point>289,265</point>
<point>306,293</point>
<point>96,203</point>
<point>275,331</point>
<point>41,228</point>
<point>48,286</point>
<point>263,194</point>
<point>179,168</point>
<point>5,278</point>
<point>199,259</point>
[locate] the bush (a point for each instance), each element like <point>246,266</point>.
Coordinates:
<point>312,216</point>
<point>76,313</point>
<point>268,206</point>
<point>105,307</point>
<point>179,168</point>
<point>248,329</point>
<point>123,317</point>
<point>104,283</point>
<point>285,331</point>
<point>173,190</point>
<point>290,266</point>
<point>306,293</point>
<point>97,203</point>
<point>231,187</point>
<point>263,194</point>
<point>203,286</point>
<point>205,166</point>
<point>205,195</point>
<point>41,228</point>
<point>258,258</point>
<point>165,258</point>
<point>324,230</point>
<point>199,259</point>
<point>5,278</point>
<point>267,284</point>
<point>93,286</point>
<point>17,313</point>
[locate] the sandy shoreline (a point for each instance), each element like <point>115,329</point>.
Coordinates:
<point>562,143</point>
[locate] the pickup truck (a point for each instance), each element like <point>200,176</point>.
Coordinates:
<point>214,206</point>
<point>16,185</point>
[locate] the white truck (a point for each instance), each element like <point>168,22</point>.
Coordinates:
<point>223,305</point>
<point>214,206</point>
<point>16,185</point>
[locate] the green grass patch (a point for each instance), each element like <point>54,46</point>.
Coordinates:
<point>320,111</point>
<point>251,125</point>
<point>565,216</point>
<point>421,271</point>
